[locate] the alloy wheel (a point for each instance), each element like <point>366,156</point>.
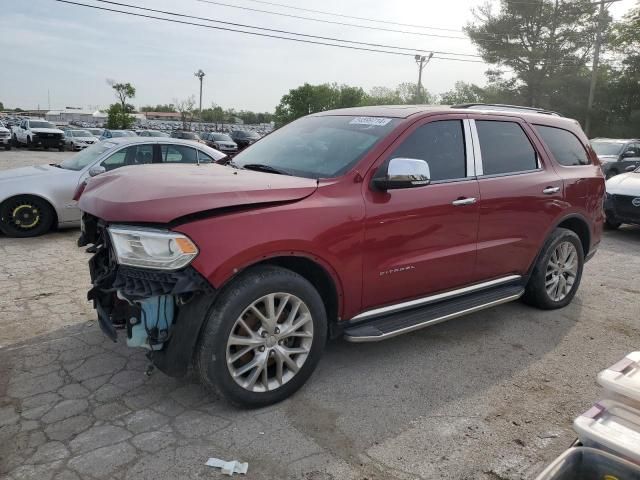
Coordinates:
<point>24,216</point>
<point>269,342</point>
<point>562,271</point>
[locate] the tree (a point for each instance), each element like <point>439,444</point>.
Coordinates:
<point>124,91</point>
<point>309,98</point>
<point>118,118</point>
<point>1,106</point>
<point>537,40</point>
<point>463,93</point>
<point>404,94</point>
<point>186,108</point>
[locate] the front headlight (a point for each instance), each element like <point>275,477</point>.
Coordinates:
<point>152,248</point>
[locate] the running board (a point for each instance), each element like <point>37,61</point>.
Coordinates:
<point>381,328</point>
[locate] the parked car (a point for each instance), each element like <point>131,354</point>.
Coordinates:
<point>96,132</point>
<point>622,204</point>
<point>185,135</point>
<point>38,133</point>
<point>78,139</point>
<point>5,137</point>
<point>617,155</point>
<point>364,223</point>
<point>108,134</point>
<point>151,133</point>
<point>220,141</point>
<point>33,200</point>
<point>244,138</point>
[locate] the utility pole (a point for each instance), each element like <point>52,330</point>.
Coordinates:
<point>594,68</point>
<point>422,61</point>
<point>200,75</point>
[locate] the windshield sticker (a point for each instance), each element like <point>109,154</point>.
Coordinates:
<point>372,121</point>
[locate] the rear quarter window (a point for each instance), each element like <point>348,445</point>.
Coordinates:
<point>564,145</point>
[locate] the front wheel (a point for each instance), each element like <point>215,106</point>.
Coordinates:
<point>263,338</point>
<point>25,216</point>
<point>557,273</point>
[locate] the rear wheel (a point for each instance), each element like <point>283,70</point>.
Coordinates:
<point>25,216</point>
<point>557,273</point>
<point>263,338</point>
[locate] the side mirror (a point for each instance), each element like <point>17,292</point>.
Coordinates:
<point>630,168</point>
<point>403,173</point>
<point>97,170</point>
<point>629,154</point>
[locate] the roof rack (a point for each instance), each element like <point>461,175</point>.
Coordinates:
<point>500,106</point>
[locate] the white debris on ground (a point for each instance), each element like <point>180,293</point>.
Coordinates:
<point>228,468</point>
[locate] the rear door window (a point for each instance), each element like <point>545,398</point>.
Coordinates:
<point>441,144</point>
<point>505,148</point>
<point>564,145</point>
<point>178,154</point>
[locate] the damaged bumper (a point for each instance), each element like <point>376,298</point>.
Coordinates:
<point>161,311</point>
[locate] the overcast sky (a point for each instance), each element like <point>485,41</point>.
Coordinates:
<point>70,51</point>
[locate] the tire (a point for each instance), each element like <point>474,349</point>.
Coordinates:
<point>39,215</point>
<point>14,139</point>
<point>29,145</point>
<point>536,291</point>
<point>611,224</point>
<point>215,347</point>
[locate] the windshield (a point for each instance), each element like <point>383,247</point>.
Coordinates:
<point>95,131</point>
<point>86,157</point>
<point>33,124</point>
<point>607,148</point>
<point>81,133</point>
<point>318,147</point>
<point>221,137</point>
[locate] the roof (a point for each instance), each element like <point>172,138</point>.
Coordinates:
<point>406,111</point>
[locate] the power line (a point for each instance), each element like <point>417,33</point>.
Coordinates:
<point>344,24</point>
<point>333,39</point>
<point>354,17</point>
<point>258,34</point>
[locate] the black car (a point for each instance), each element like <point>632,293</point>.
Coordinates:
<point>244,138</point>
<point>617,155</point>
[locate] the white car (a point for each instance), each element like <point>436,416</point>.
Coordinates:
<point>34,132</point>
<point>622,204</point>
<point>33,200</point>
<point>79,139</point>
<point>5,137</point>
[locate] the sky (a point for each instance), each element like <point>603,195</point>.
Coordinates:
<point>57,55</point>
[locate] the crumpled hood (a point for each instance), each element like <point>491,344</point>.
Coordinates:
<point>35,171</point>
<point>162,193</point>
<point>47,130</point>
<point>624,184</point>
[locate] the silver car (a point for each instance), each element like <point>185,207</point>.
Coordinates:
<point>33,200</point>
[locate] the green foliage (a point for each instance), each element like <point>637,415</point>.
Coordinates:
<point>1,106</point>
<point>316,98</point>
<point>463,93</point>
<point>167,108</point>
<point>117,118</point>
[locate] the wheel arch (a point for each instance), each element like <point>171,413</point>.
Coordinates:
<point>56,216</point>
<point>315,270</point>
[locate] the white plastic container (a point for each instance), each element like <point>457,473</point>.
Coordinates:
<point>582,463</point>
<point>622,380</point>
<point>611,426</point>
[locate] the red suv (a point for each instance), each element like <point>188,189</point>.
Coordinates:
<point>363,223</point>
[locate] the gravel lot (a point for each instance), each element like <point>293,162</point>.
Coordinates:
<point>489,396</point>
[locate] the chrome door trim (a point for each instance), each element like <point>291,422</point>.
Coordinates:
<point>468,146</point>
<point>477,153</point>
<point>464,201</point>
<point>433,321</point>
<point>398,307</point>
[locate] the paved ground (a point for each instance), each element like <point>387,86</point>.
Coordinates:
<point>490,396</point>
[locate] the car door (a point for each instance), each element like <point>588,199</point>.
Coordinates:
<point>630,158</point>
<point>520,195</point>
<point>422,240</point>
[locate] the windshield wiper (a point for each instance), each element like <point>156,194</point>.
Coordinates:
<point>261,167</point>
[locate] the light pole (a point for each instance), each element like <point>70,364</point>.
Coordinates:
<point>422,61</point>
<point>200,74</point>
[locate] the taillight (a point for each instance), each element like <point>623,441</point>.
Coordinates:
<point>79,189</point>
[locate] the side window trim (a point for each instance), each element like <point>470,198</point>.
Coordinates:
<point>478,152</point>
<point>468,147</point>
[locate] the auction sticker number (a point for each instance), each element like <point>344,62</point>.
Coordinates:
<point>374,121</point>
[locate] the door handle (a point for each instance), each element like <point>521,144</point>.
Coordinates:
<point>464,201</point>
<point>551,190</point>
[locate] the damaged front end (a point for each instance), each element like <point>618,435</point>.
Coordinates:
<point>137,290</point>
